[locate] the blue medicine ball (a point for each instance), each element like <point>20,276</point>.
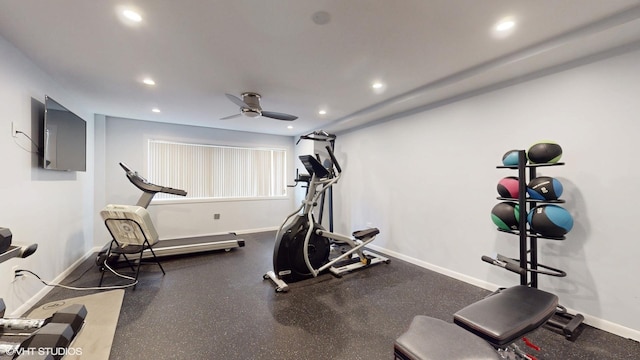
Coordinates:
<point>510,158</point>
<point>550,220</point>
<point>506,215</point>
<point>544,188</point>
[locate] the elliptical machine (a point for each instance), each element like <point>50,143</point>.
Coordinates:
<point>304,249</point>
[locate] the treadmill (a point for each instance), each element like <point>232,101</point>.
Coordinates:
<point>178,246</point>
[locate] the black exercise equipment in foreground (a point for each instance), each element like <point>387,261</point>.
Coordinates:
<point>486,329</point>
<point>73,315</point>
<point>304,249</point>
<point>50,338</point>
<point>507,315</point>
<point>527,264</point>
<point>163,247</point>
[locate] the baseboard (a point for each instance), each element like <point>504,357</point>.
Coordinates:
<point>251,231</point>
<point>22,309</point>
<point>590,320</point>
<point>608,326</point>
<point>452,274</point>
<point>237,232</point>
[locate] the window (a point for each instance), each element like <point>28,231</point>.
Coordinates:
<point>218,172</point>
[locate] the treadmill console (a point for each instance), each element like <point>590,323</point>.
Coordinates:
<point>142,183</point>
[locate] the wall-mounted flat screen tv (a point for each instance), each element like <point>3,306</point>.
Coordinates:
<point>65,138</point>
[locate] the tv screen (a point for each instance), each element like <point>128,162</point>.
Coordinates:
<point>65,138</point>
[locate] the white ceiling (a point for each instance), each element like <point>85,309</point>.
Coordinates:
<point>198,50</point>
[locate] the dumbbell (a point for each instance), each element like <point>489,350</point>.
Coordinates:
<point>35,356</point>
<point>51,339</point>
<point>73,315</point>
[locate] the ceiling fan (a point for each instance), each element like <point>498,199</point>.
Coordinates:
<point>250,106</point>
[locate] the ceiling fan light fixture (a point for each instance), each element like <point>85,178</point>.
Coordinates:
<point>252,113</point>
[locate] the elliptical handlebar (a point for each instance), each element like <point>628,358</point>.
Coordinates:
<point>319,135</point>
<point>334,161</point>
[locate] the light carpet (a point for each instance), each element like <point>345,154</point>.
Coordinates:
<point>96,337</point>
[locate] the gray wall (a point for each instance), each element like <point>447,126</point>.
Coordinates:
<point>428,181</point>
<point>39,206</point>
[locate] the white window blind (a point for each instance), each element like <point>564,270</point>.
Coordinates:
<point>219,172</point>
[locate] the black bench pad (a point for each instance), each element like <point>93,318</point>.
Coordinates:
<point>508,315</point>
<point>433,339</point>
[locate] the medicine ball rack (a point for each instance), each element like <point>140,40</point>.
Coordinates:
<point>527,265</point>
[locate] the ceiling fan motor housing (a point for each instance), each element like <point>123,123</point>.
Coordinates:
<point>252,100</point>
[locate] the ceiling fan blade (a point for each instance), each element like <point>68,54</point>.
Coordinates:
<point>231,116</point>
<point>236,100</point>
<point>278,116</point>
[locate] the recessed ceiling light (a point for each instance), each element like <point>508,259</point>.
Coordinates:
<point>132,15</point>
<point>129,16</point>
<point>322,112</point>
<point>155,110</point>
<point>289,127</point>
<point>378,87</point>
<point>149,81</point>
<point>504,27</point>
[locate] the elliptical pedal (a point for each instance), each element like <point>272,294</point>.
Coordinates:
<point>355,263</point>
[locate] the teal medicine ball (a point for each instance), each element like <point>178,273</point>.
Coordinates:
<point>510,158</point>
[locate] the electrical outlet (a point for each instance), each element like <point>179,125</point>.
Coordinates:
<point>14,130</point>
<point>14,271</point>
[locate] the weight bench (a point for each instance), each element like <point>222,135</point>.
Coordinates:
<point>499,320</point>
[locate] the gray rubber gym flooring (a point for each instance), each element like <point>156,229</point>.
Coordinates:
<point>217,306</point>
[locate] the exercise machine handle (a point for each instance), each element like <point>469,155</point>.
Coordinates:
<point>319,135</point>
<point>333,159</point>
<point>511,266</point>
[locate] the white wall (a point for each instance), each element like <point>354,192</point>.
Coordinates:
<point>126,141</point>
<point>428,182</point>
<point>42,206</point>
